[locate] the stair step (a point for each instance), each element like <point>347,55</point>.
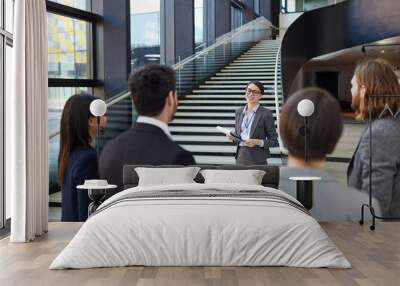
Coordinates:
<point>211,139</point>
<point>260,51</point>
<point>203,138</point>
<point>241,73</point>
<point>256,63</point>
<point>112,111</point>
<point>213,122</point>
<point>210,148</point>
<point>243,102</point>
<point>257,57</point>
<point>218,91</point>
<point>266,60</point>
<point>228,160</point>
<point>218,148</point>
<point>193,129</point>
<point>203,121</point>
<point>242,82</point>
<point>241,86</point>
<point>245,69</point>
<point>269,105</point>
<point>254,53</point>
<point>270,64</point>
<point>207,114</point>
<point>218,160</point>
<point>242,77</point>
<point>225,96</point>
<point>263,57</point>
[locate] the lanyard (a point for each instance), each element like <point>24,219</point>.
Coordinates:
<point>248,122</point>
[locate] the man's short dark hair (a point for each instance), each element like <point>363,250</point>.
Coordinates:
<point>325,124</point>
<point>149,87</point>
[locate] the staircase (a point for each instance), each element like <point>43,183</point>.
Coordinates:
<point>214,103</point>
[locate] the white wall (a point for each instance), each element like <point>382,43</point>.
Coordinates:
<point>285,20</point>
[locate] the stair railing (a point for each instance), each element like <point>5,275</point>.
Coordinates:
<point>109,102</point>
<point>278,98</point>
<point>222,40</point>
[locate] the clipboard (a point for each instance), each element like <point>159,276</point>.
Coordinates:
<point>229,132</point>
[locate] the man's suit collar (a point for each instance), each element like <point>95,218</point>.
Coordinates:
<point>148,128</point>
<point>155,122</point>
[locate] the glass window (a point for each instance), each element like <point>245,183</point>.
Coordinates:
<point>9,14</point>
<point>78,4</point>
<point>198,23</point>
<point>68,46</point>
<point>236,18</point>
<point>9,64</point>
<point>257,7</point>
<point>3,207</point>
<point>145,32</point>
<point>291,6</point>
<point>283,6</point>
<point>314,4</point>
<point>57,98</point>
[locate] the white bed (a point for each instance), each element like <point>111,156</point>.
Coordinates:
<point>209,230</point>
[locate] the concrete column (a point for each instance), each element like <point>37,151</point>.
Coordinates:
<point>184,28</point>
<point>112,45</point>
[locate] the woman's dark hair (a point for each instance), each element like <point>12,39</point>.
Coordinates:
<point>149,87</point>
<point>325,124</point>
<point>74,130</point>
<point>257,84</point>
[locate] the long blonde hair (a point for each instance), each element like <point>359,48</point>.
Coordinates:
<point>378,78</point>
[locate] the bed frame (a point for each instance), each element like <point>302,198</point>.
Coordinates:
<point>270,179</point>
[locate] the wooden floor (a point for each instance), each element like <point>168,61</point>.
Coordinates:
<point>375,257</point>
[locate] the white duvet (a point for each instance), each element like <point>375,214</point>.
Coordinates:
<point>200,231</point>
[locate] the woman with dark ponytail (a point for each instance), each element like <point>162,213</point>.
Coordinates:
<point>77,160</point>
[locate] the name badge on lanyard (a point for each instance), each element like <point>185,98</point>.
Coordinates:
<point>247,124</point>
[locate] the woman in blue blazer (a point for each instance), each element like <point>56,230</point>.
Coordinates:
<point>77,160</point>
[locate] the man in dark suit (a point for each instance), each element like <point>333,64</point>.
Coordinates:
<point>148,141</point>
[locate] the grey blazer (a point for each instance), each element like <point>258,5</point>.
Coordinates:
<point>331,200</point>
<point>385,164</point>
<point>263,128</point>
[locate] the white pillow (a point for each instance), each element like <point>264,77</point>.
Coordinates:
<point>166,176</point>
<point>248,177</point>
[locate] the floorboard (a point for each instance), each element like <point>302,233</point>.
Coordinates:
<point>375,257</point>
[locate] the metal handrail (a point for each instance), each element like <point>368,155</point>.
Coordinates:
<point>277,98</point>
<point>224,39</point>
<point>111,101</point>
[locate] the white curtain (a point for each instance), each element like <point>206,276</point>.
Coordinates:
<point>26,124</point>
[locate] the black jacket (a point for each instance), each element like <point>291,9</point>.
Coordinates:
<point>82,166</point>
<point>143,144</point>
